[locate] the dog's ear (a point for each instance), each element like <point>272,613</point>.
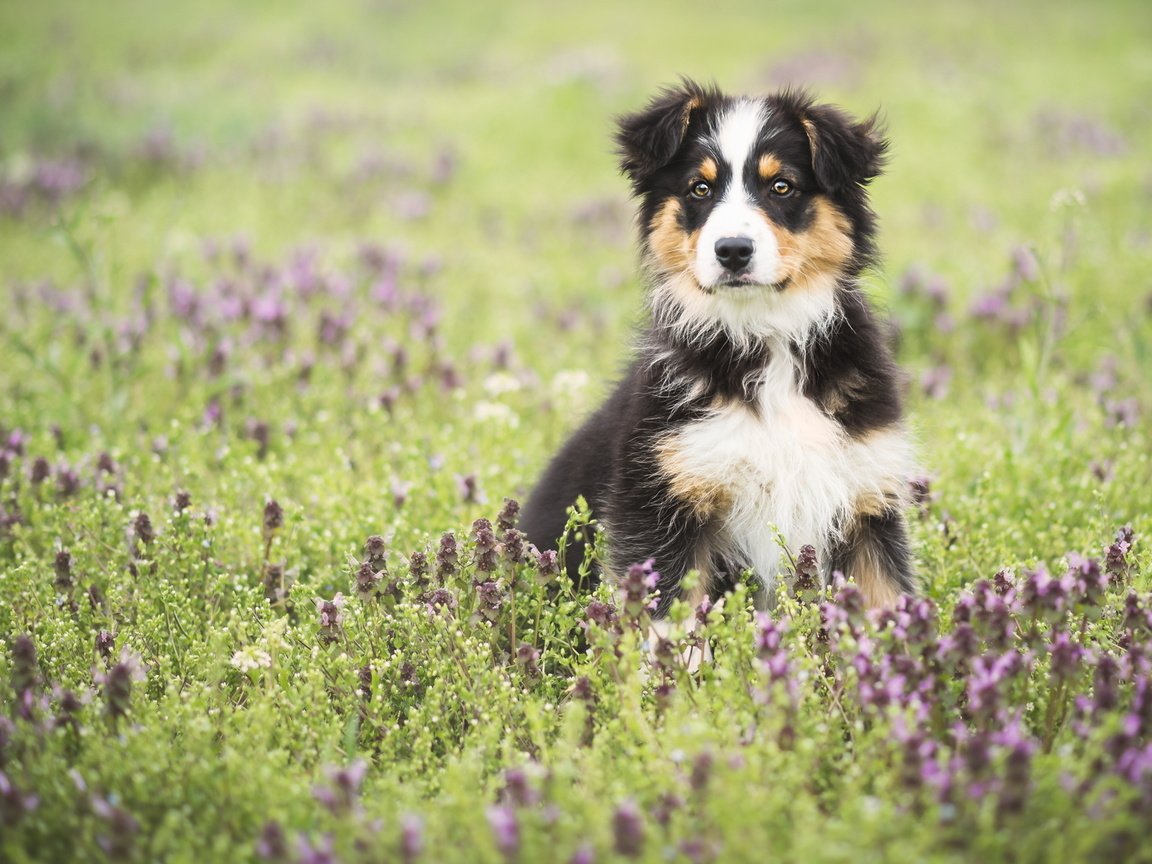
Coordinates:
<point>648,139</point>
<point>844,151</point>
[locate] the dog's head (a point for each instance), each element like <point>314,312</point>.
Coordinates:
<point>752,210</point>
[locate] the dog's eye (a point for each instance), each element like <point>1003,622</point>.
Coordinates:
<point>781,186</point>
<point>700,190</point>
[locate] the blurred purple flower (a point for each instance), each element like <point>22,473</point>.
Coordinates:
<point>505,830</point>
<point>628,830</point>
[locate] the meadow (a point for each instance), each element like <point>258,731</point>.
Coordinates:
<point>297,298</point>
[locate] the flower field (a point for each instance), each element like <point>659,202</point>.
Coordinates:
<point>298,301</point>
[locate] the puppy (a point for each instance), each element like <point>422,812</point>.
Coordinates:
<point>762,411</point>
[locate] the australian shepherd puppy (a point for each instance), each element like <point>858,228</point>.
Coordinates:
<point>762,412</point>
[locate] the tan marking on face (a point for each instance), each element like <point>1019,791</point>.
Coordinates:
<point>708,170</point>
<point>820,250</point>
<point>769,166</point>
<point>670,248</point>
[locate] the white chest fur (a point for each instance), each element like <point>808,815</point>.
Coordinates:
<point>785,473</point>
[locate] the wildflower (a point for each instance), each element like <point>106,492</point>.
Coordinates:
<point>701,772</point>
<point>181,501</point>
<point>276,583</point>
<point>807,582</point>
<point>1045,597</point>
<point>1065,657</point>
<point>14,804</point>
<point>118,680</point>
<point>637,586</point>
<point>628,830</point>
<point>512,546</point>
<point>584,854</point>
<point>411,838</point>
<point>418,569</point>
<point>547,566</point>
<point>517,788</point>
<point>331,618</point>
<point>505,830</point>
<point>486,546</point>
<point>441,599</point>
<point>509,515</point>
<point>665,808</point>
<point>272,845</point>
<point>322,853</point>
<point>122,826</point>
<point>490,599</point>
<point>1116,555</point>
<point>63,566</point>
<point>470,491</point>
<point>25,669</point>
<point>376,552</point>
<point>368,582</point>
<point>41,470</point>
<point>528,658</point>
<point>273,519</point>
<point>250,658</point>
<point>341,795</point>
<point>447,557</point>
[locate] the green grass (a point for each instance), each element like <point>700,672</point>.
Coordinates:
<point>1013,126</point>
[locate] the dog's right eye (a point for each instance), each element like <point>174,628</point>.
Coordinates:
<point>700,190</point>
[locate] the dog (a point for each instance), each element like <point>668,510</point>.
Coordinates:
<point>762,411</point>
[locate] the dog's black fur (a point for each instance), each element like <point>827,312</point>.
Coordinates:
<point>683,375</point>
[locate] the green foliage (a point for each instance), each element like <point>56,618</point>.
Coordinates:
<point>280,280</point>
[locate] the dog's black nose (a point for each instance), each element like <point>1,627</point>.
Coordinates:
<point>734,253</point>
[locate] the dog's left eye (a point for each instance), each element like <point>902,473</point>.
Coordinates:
<point>700,190</point>
<point>781,187</point>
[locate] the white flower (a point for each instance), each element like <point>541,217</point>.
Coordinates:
<point>497,412</point>
<point>250,657</point>
<point>499,383</point>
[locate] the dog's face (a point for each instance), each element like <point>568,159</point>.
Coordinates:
<point>751,209</point>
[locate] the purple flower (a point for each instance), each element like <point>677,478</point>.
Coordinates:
<point>547,566</point>
<point>470,491</point>
<point>64,581</point>
<point>411,838</point>
<point>368,582</point>
<point>584,854</point>
<point>628,830</point>
<point>485,551</point>
<point>14,804</point>
<point>342,794</point>
<point>490,599</point>
<point>807,583</point>
<point>118,680</point>
<point>1065,657</point>
<point>447,557</point>
<point>512,546</point>
<point>505,830</point>
<point>528,659</point>
<point>25,669</point>
<point>509,515</point>
<point>331,618</point>
<point>272,845</point>
<point>324,852</point>
<point>1116,556</point>
<point>273,519</point>
<point>637,585</point>
<point>518,790</point>
<point>376,552</point>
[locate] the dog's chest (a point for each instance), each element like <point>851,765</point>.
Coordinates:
<point>781,471</point>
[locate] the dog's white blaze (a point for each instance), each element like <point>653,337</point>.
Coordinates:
<point>735,214</point>
<point>791,473</point>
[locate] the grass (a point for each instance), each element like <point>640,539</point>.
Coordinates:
<point>372,263</point>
